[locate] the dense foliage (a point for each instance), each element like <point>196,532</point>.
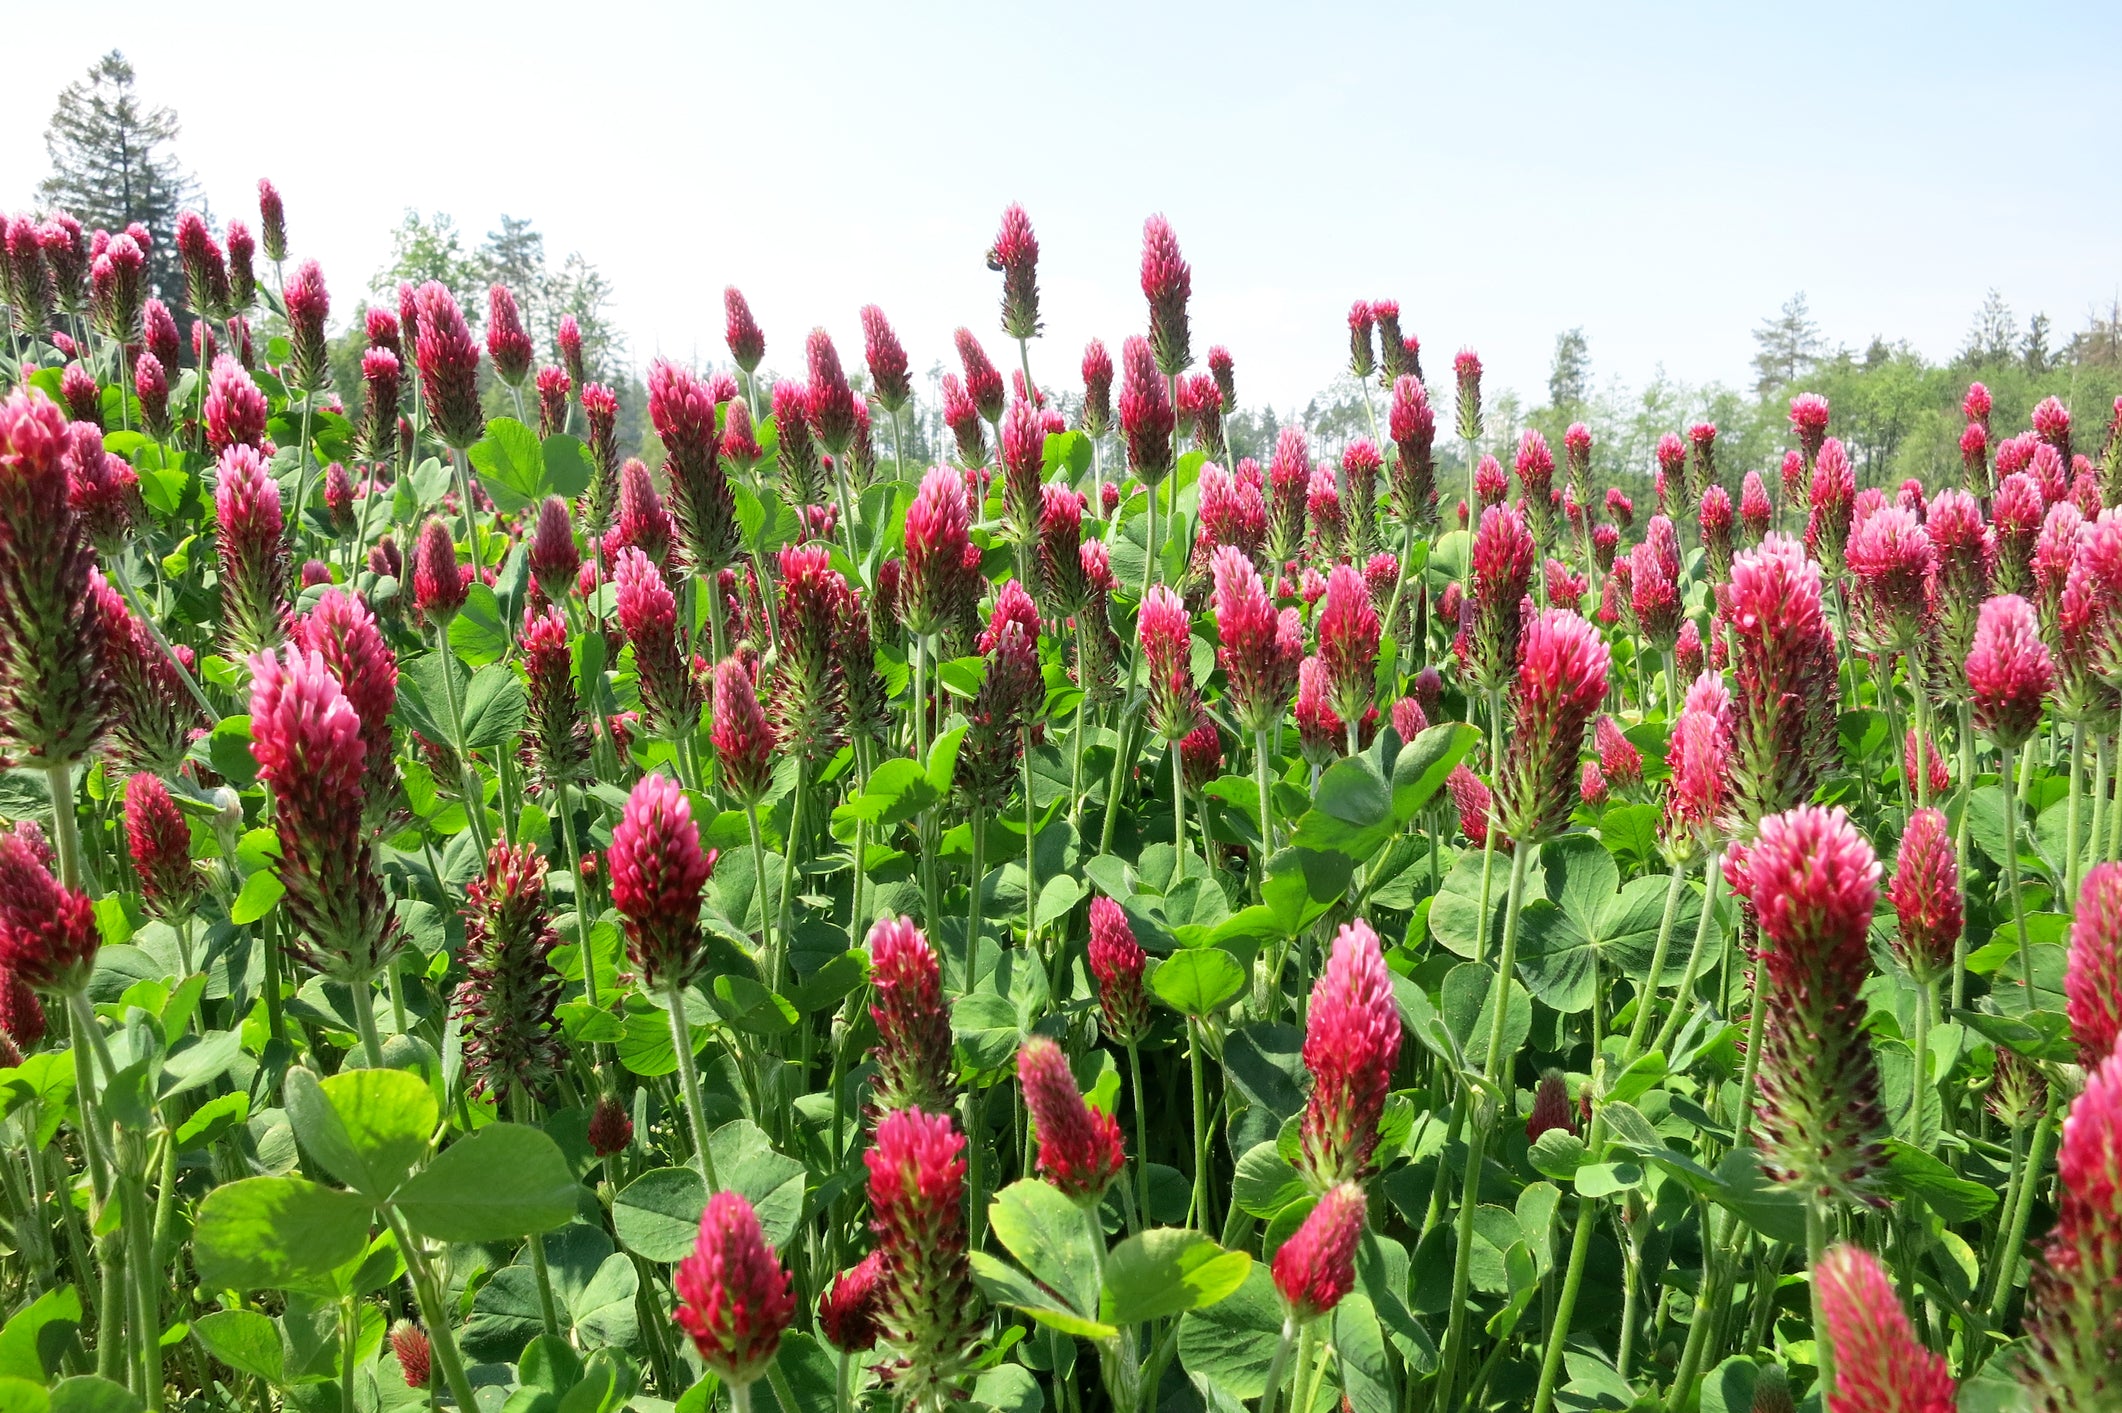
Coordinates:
<point>1099,923</point>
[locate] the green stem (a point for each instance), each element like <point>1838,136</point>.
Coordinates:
<point>574,866</point>
<point>474,792</point>
<point>1178,803</point>
<point>1276,1365</point>
<point>1960,841</point>
<point>464,497</point>
<point>1572,1282</point>
<point>2007,1268</point>
<point>1921,1050</point>
<point>1712,874</point>
<point>1134,1075</point>
<point>66,834</point>
<point>434,1312</point>
<point>971,973</point>
<point>2070,817</point>
<point>362,997</point>
<point>1647,1002</point>
<point>1200,1095</point>
<point>1815,1247</point>
<point>2011,875</point>
<point>785,913</point>
<point>681,1034</point>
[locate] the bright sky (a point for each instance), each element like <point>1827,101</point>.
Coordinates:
<point>1662,175</point>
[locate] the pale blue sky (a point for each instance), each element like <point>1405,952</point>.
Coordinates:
<point>1662,175</point>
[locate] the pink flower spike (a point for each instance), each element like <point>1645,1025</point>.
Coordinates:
<point>658,870</point>
<point>1317,1265</point>
<point>1880,1365</point>
<point>1117,962</point>
<point>2092,975</point>
<point>1080,1148</point>
<point>1351,1043</point>
<point>733,1296</point>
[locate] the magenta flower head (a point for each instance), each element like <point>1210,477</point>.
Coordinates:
<point>1023,443</point>
<point>25,278</point>
<point>339,498</point>
<point>983,381</point>
<point>1535,466</point>
<point>1362,343</point>
<point>931,1310</point>
<point>1475,806</point>
<point>1619,759</point>
<point>506,341</point>
<point>1808,418</point>
<point>747,344</point>
<point>796,454</point>
<point>1501,572</point>
<point>158,332</point>
<point>1467,368</point>
<point>1891,558</point>
<point>744,739</point>
<point>1320,731</point>
<point>567,339</point>
<point>657,872</point>
<point>935,589</point>
<point>1117,962</point>
<point>1167,650</point>
<point>1974,456</point>
<point>1880,1364</point>
<point>380,373</point>
<point>1167,283</point>
<point>1591,785</point>
<point>554,559</point>
<point>831,401</point>
<point>850,1309</point>
<point>1715,522</point>
<point>151,386</point>
<point>1834,501</point>
<point>161,845</point>
<point>1147,419</point>
<point>1316,1267</point>
<point>2074,1300</point>
<point>438,584</point>
<point>2009,671</point>
<point>1925,893</point>
<point>1654,595</point>
<point>341,630</point>
<point>1491,482</point>
<point>448,359</point>
<point>1015,254</point>
<point>1225,375</point>
<point>1097,388</point>
<point>83,398</point>
<point>272,221</point>
<point>253,557</point>
<point>1413,425</point>
<point>1561,681</point>
<point>1351,1044</point>
<point>682,410</point>
<point>205,271</point>
<point>1814,882</point>
<point>556,734</point>
<point>415,1353</point>
<point>809,695</point>
<point>152,711</point>
<point>2015,519</point>
<point>1967,558</point>
<point>1060,550</point>
<point>648,615</point>
<point>115,289</point>
<point>2052,425</point>
<point>1259,647</point>
<point>600,408</point>
<point>308,307</point>
<point>1699,755</point>
<point>733,1296</point>
<point>889,379</point>
<point>2092,976</point>
<point>48,932</point>
<point>307,740</point>
<point>1348,641</point>
<point>1551,1107</point>
<point>1755,512</point>
<point>913,1054</point>
<point>1784,670</point>
<point>235,409</point>
<point>1080,1148</point>
<point>962,415</point>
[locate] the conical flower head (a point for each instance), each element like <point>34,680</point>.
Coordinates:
<point>931,1310</point>
<point>935,589</point>
<point>600,408</point>
<point>448,360</point>
<point>1348,641</point>
<point>1834,502</point>
<point>2074,1299</point>
<point>1891,557</point>
<point>1080,1148</point>
<point>1966,563</point>
<point>1880,1364</point>
<point>1813,882</point>
<point>648,615</point>
<point>1023,443</point>
<point>53,705</point>
<point>1925,893</point>
<point>809,694</point>
<point>1167,283</point>
<point>744,740</point>
<point>1699,757</point>
<point>1808,418</point>
<point>2092,975</point>
<point>507,342</point>
<point>235,409</point>
<point>438,584</point>
<point>983,381</point>
<point>307,739</point>
<point>380,373</point>
<point>658,870</point>
<point>1654,595</point>
<point>2009,671</point>
<point>253,559</point>
<point>1755,512</point>
<point>1167,651</point>
<point>1147,419</point>
<point>1475,806</point>
<point>48,932</point>
<point>913,1054</point>
<point>1061,576</point>
<point>1551,1107</point>
<point>153,712</point>
<point>309,306</point>
<point>1259,651</point>
<point>1316,1267</point>
<point>556,733</point>
<point>414,1352</point>
<point>555,562</point>
<point>341,630</point>
<point>1015,254</point>
<point>1501,571</point>
<point>1351,1044</point>
<point>831,401</point>
<point>1117,962</point>
<point>1561,681</point>
<point>733,1296</point>
<point>1784,672</point>
<point>506,1003</point>
<point>1412,422</point>
<point>889,379</point>
<point>151,386</point>
<point>747,344</point>
<point>1097,372</point>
